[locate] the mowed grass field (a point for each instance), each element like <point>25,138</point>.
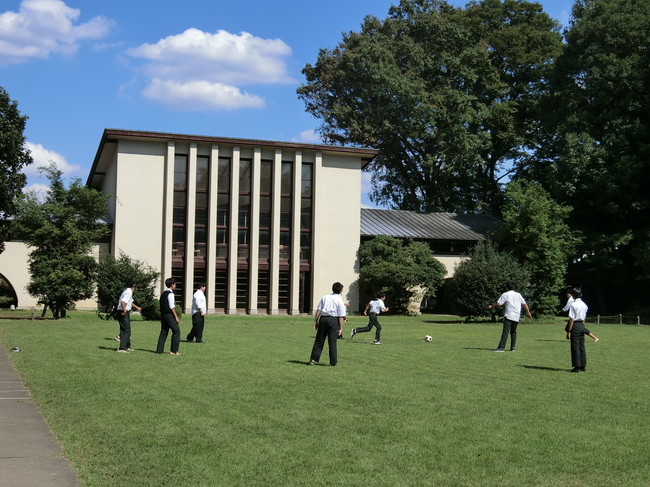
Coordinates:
<point>244,409</point>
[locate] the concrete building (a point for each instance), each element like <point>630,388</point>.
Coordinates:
<point>268,226</point>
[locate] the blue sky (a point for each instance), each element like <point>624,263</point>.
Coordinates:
<point>205,67</point>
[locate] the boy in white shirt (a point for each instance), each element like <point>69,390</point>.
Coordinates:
<point>576,331</point>
<point>513,302</point>
<point>375,307</point>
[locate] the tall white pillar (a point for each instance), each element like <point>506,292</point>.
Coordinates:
<point>168,215</point>
<point>190,223</point>
<point>212,228</point>
<point>274,275</point>
<point>294,283</point>
<point>254,228</point>
<point>231,304</point>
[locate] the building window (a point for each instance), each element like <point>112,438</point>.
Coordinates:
<point>179,225</point>
<point>223,210</point>
<point>305,216</point>
<point>201,213</point>
<point>286,217</point>
<point>243,231</point>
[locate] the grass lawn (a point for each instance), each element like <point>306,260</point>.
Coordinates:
<point>243,409</point>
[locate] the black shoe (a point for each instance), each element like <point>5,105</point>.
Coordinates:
<point>499,350</point>
<point>200,341</point>
<point>577,371</point>
<point>189,338</point>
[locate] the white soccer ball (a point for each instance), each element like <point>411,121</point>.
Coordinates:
<point>428,338</point>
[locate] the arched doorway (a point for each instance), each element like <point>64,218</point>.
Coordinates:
<point>8,295</point>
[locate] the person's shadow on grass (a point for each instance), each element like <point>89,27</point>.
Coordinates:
<point>479,349</point>
<point>112,349</point>
<point>302,362</point>
<point>539,367</point>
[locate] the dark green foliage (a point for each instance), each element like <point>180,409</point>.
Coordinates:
<point>595,157</point>
<point>449,96</point>
<point>62,230</point>
<point>112,277</point>
<point>535,231</point>
<point>397,266</point>
<point>481,279</point>
<point>13,158</point>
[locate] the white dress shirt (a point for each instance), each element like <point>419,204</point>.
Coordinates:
<point>126,297</point>
<point>512,302</point>
<point>578,310</point>
<point>199,303</point>
<point>332,305</point>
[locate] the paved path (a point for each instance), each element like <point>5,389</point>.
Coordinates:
<point>29,454</point>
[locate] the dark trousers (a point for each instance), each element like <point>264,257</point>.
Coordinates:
<point>328,326</point>
<point>509,328</point>
<point>578,351</point>
<point>198,322</point>
<point>371,322</point>
<point>168,322</point>
<point>125,329</point>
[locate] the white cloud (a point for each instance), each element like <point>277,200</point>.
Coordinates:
<point>310,136</point>
<point>37,190</point>
<point>43,27</point>
<point>200,96</point>
<point>201,70</point>
<point>44,157</point>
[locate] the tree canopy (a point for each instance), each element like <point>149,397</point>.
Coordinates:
<point>401,268</point>
<point>61,230</point>
<point>535,231</point>
<point>13,158</point>
<point>448,95</point>
<point>595,156</point>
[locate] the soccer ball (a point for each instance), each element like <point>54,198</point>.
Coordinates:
<point>428,338</point>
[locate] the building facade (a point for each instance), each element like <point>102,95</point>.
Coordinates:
<point>268,226</point>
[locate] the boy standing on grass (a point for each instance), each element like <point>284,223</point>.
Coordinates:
<point>376,306</point>
<point>328,323</point>
<point>124,305</point>
<point>576,331</point>
<point>169,319</point>
<point>513,302</point>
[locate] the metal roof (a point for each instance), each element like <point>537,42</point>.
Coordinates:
<point>427,226</point>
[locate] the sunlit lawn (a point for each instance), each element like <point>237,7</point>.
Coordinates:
<point>243,409</point>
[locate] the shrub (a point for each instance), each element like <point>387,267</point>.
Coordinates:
<point>480,280</point>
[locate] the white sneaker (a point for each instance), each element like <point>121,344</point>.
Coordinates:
<point>376,342</point>
<point>353,332</point>
<point>117,338</point>
<point>119,350</point>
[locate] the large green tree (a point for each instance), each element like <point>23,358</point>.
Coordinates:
<point>401,268</point>
<point>448,95</point>
<point>480,280</point>
<point>13,158</point>
<point>61,232</point>
<point>596,156</point>
<point>535,231</point>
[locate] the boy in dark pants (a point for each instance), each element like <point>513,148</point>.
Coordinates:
<point>576,331</point>
<point>375,307</point>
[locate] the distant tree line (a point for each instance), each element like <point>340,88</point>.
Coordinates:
<point>481,109</point>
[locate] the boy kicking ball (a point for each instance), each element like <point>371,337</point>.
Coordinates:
<point>375,307</point>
